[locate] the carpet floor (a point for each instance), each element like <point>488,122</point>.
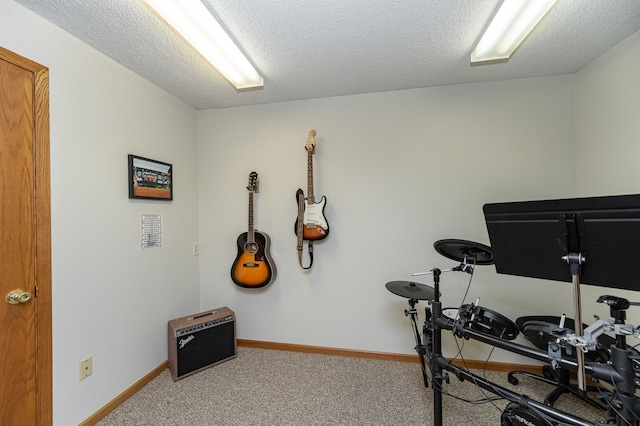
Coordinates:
<point>269,387</point>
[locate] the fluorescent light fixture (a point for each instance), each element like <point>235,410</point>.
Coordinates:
<point>512,23</point>
<point>193,21</point>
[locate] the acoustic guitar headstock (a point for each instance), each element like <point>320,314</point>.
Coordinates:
<point>253,182</point>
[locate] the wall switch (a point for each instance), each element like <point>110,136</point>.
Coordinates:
<point>86,367</point>
<point>196,249</point>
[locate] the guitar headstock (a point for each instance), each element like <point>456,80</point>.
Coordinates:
<point>253,182</point>
<point>311,142</point>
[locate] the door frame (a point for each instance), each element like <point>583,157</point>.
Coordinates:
<point>42,202</point>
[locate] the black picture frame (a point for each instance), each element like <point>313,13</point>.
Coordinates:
<point>150,179</point>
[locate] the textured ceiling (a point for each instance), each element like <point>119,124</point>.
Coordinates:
<point>312,49</point>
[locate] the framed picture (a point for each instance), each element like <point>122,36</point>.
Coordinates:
<point>150,179</point>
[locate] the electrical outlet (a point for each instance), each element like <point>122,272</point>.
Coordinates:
<point>196,249</point>
<point>86,367</point>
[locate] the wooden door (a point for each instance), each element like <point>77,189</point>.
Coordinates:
<point>25,243</point>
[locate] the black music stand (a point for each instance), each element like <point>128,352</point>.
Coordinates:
<point>579,240</point>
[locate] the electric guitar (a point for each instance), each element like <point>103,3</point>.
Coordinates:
<point>253,266</point>
<point>311,220</point>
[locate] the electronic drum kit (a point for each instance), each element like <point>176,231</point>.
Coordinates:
<point>485,325</point>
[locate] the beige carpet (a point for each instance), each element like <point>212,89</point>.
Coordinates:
<point>267,387</point>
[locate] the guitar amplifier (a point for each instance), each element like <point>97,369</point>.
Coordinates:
<point>201,341</point>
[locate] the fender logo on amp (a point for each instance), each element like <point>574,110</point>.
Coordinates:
<point>185,341</point>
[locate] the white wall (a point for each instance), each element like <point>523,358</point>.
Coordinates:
<point>608,142</point>
<point>400,170</point>
<point>111,300</point>
<point>607,122</point>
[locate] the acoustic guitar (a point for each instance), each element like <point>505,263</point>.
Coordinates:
<point>253,266</point>
<point>311,220</point>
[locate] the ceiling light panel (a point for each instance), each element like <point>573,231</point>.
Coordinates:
<point>193,21</point>
<point>510,26</point>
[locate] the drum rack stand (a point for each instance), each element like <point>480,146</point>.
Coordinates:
<point>435,322</point>
<point>619,372</point>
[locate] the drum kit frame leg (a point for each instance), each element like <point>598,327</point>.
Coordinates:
<point>412,313</point>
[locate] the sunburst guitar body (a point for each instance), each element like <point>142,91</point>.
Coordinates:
<point>314,224</point>
<point>253,266</point>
